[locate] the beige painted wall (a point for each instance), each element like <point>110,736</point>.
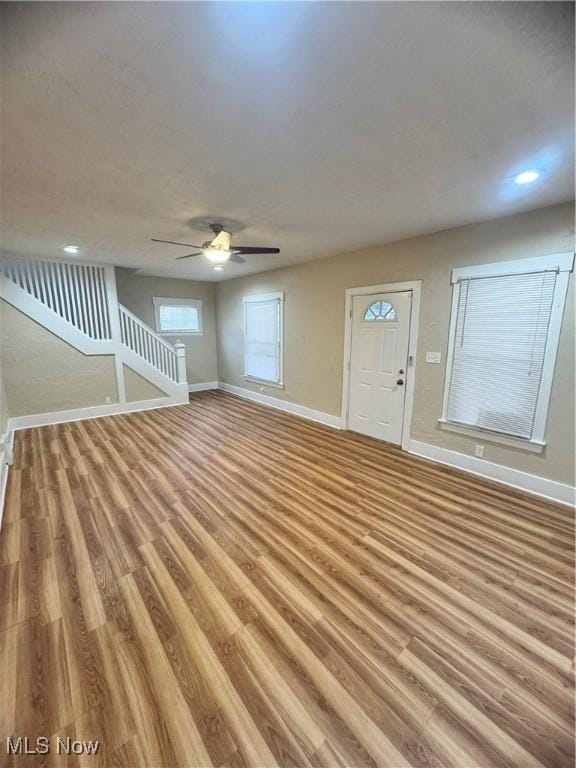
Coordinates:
<point>37,368</point>
<point>138,388</point>
<point>135,292</point>
<point>314,325</point>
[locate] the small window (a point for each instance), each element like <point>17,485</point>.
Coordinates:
<point>380,310</point>
<point>177,315</point>
<point>263,337</point>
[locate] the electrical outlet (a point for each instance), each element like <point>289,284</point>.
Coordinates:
<point>433,357</point>
<point>108,400</point>
<point>479,451</point>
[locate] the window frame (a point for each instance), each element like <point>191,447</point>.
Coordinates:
<point>381,318</point>
<point>259,297</point>
<point>166,301</point>
<point>563,264</point>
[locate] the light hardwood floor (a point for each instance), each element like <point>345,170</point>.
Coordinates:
<point>221,584</point>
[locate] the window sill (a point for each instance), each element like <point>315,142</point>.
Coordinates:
<point>278,385</point>
<point>179,333</point>
<point>532,446</point>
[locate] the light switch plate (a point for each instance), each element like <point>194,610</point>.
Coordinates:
<point>432,357</point>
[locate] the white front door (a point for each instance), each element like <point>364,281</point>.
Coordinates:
<point>378,364</point>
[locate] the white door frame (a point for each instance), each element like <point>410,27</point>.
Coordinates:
<point>414,286</point>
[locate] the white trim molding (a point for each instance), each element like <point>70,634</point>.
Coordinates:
<point>258,297</point>
<point>415,287</point>
<point>283,405</point>
<point>202,386</point>
<point>6,454</point>
<point>558,262</point>
<point>533,484</point>
<point>92,412</point>
<point>493,437</point>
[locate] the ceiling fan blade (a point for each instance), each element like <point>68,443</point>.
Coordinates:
<point>251,249</point>
<point>189,256</point>
<point>237,259</point>
<point>173,242</point>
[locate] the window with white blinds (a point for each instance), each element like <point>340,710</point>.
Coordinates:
<point>178,319</point>
<point>177,316</point>
<point>503,339</point>
<point>263,337</point>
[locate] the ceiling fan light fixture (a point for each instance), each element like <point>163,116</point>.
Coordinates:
<point>217,255</point>
<point>219,250</point>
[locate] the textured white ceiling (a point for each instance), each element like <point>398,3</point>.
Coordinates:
<point>322,127</point>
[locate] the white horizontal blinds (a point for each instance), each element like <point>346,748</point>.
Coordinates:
<point>499,345</point>
<point>179,318</point>
<point>262,339</point>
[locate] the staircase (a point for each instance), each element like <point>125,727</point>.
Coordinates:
<point>79,304</point>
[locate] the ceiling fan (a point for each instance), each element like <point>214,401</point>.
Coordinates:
<point>219,250</point>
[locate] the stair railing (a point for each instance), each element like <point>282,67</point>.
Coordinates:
<point>76,292</point>
<point>79,303</point>
<point>137,336</point>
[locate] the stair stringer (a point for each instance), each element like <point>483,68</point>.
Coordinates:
<point>53,322</point>
<point>153,375</point>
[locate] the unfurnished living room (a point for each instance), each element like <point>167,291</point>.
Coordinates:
<point>287,385</point>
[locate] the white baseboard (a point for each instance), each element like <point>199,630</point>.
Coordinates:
<point>202,386</point>
<point>94,412</point>
<point>539,486</point>
<point>283,405</point>
<point>6,450</point>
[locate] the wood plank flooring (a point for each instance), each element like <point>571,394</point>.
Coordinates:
<point>221,584</point>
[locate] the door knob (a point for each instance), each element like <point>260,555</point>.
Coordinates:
<point>400,382</point>
<point>401,371</point>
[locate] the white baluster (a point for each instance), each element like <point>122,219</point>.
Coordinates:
<point>51,287</point>
<point>63,285</point>
<point>96,333</point>
<point>71,278</point>
<point>103,302</point>
<point>37,277</point>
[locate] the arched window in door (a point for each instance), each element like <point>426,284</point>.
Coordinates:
<point>380,310</point>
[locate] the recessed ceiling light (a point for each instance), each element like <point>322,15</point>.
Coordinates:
<point>71,249</point>
<point>526,177</point>
<point>219,268</point>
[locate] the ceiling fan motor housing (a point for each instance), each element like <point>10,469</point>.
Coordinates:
<point>221,241</point>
